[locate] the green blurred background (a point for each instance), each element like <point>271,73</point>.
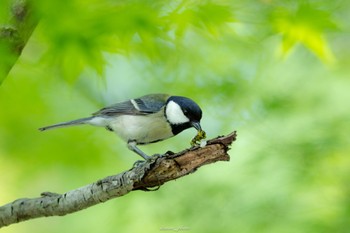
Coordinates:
<point>275,71</point>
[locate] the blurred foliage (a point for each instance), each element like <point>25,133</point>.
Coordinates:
<point>276,71</point>
<point>306,26</point>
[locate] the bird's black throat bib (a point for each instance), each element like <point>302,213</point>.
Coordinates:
<point>178,128</point>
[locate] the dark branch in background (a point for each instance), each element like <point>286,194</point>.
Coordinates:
<point>15,34</point>
<point>146,175</point>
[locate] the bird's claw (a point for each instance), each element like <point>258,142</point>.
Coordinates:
<point>138,163</point>
<point>150,159</point>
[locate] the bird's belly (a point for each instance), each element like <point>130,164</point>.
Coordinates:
<point>142,128</point>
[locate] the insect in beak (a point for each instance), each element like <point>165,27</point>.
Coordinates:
<point>200,134</point>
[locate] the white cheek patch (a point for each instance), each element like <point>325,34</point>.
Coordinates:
<point>174,114</point>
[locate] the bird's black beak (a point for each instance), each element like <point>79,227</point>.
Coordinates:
<point>196,125</point>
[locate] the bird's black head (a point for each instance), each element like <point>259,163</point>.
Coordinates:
<point>183,113</point>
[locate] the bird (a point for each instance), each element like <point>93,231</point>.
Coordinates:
<point>144,120</point>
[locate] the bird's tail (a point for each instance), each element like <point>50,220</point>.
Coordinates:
<point>68,123</point>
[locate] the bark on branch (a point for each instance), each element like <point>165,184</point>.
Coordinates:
<point>149,174</point>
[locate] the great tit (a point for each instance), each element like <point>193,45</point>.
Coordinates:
<point>148,119</point>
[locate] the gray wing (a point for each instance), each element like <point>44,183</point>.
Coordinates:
<point>141,106</point>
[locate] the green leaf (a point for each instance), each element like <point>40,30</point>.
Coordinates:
<point>306,26</point>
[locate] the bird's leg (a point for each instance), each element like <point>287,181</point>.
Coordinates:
<point>132,146</point>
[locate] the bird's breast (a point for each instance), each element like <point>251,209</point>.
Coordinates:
<point>141,128</point>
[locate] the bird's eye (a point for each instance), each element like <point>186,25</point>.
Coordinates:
<point>184,111</point>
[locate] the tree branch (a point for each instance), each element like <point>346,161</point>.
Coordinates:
<point>14,36</point>
<point>145,175</point>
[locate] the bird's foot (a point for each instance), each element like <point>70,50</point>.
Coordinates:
<point>138,163</point>
<point>149,159</point>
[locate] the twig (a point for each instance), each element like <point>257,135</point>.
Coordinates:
<point>145,175</point>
